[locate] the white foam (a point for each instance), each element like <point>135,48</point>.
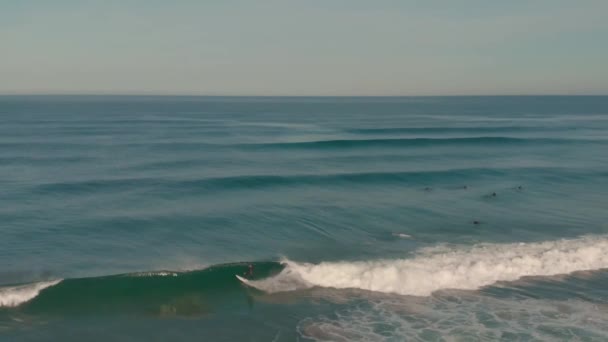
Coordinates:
<point>458,268</point>
<point>402,235</point>
<point>464,318</point>
<point>155,274</point>
<point>15,295</point>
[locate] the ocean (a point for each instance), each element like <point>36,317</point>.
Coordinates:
<point>127,218</point>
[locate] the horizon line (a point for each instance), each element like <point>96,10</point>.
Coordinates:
<point>284,95</point>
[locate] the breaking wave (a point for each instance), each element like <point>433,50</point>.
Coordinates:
<point>197,292</point>
<point>461,268</point>
<point>15,295</point>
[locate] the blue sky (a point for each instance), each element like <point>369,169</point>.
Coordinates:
<point>311,47</point>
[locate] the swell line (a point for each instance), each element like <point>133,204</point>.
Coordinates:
<point>336,179</point>
<point>411,142</point>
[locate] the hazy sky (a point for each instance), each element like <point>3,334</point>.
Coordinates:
<point>306,47</point>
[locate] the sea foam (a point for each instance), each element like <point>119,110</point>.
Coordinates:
<point>466,268</point>
<point>15,295</point>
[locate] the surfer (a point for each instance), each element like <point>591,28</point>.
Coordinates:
<point>249,272</point>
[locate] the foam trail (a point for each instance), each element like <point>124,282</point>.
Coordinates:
<point>469,268</point>
<point>16,295</point>
<point>469,318</point>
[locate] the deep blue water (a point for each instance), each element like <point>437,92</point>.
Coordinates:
<point>365,218</point>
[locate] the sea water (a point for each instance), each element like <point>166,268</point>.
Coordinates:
<point>126,218</point>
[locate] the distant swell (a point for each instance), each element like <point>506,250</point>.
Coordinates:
<point>410,142</point>
<point>417,178</point>
<point>467,269</point>
<point>468,129</point>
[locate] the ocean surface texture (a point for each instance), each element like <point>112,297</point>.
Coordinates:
<point>363,219</point>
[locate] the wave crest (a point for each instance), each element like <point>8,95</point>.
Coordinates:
<point>15,295</point>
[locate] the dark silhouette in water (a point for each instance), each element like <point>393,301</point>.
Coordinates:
<point>427,189</point>
<point>490,196</point>
<point>465,187</point>
<point>476,222</point>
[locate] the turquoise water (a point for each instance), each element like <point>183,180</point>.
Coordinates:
<point>424,218</point>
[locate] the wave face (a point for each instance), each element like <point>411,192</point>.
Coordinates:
<point>162,292</point>
<point>465,269</point>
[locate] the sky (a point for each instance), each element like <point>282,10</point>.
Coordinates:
<point>306,47</point>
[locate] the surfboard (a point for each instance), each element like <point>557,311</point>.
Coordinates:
<point>243,280</point>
